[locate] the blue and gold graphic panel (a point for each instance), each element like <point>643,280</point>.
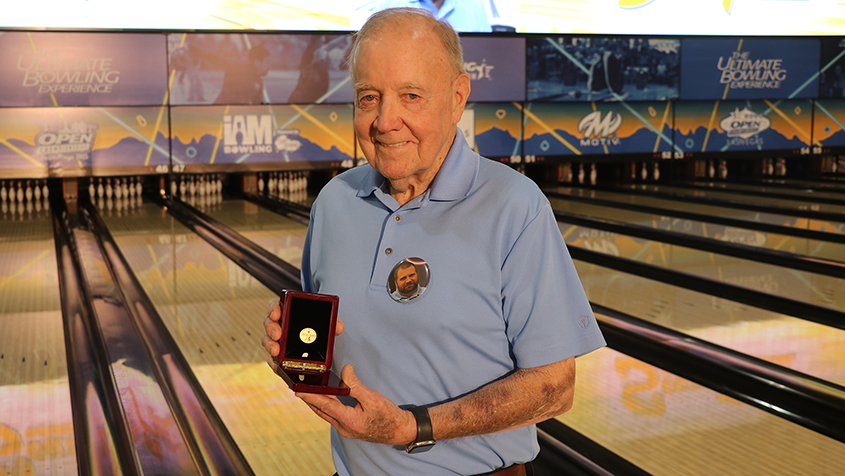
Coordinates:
<point>36,140</point>
<point>206,135</point>
<point>241,68</point>
<point>725,126</point>
<point>82,69</point>
<point>829,122</point>
<point>498,129</point>
<point>598,128</point>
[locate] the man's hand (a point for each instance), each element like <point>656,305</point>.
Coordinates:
<point>375,418</point>
<point>273,331</point>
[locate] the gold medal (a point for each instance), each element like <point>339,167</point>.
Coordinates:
<point>307,335</point>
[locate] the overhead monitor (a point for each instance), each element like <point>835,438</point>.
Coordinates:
<point>651,17</point>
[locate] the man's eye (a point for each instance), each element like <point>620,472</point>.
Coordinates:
<point>368,98</point>
<point>413,96</point>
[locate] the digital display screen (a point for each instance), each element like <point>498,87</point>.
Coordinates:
<point>652,17</point>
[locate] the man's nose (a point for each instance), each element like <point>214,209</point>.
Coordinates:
<point>389,115</point>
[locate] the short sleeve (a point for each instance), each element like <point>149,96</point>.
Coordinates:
<point>547,314</point>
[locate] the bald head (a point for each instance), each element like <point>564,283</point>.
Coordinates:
<point>414,22</point>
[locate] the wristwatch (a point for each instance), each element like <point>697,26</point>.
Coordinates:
<point>425,435</point>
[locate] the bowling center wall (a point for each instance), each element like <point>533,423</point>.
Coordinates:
<point>109,103</point>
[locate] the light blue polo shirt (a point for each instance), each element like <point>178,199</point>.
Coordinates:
<point>463,15</point>
<point>503,294</point>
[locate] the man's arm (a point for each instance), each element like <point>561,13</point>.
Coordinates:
<point>522,398</point>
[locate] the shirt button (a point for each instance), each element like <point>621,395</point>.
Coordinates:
<point>388,251</point>
<point>397,218</point>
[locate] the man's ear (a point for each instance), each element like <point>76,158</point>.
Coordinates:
<point>462,90</point>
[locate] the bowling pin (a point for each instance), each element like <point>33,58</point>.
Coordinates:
<point>192,187</point>
<point>109,189</point>
<point>644,172</point>
<point>118,188</point>
<point>28,192</point>
<point>132,188</point>
<point>174,188</point>
<point>593,174</point>
<point>125,182</point>
<point>260,183</point>
<point>139,188</point>
<point>19,193</point>
<point>711,171</point>
<point>4,194</point>
<point>45,192</point>
<point>36,191</point>
<point>100,189</point>
<point>656,173</point>
<point>91,189</point>
<point>581,173</point>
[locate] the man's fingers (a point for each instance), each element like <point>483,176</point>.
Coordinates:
<point>338,330</point>
<point>270,345</point>
<point>273,329</point>
<point>347,374</point>
<point>274,312</point>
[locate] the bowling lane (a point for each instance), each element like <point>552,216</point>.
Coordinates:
<point>799,285</point>
<point>785,203</point>
<point>691,207</point>
<point>799,194</point>
<point>773,241</point>
<point>278,234</point>
<point>801,345</point>
<point>36,423</point>
<point>670,426</point>
<point>214,310</point>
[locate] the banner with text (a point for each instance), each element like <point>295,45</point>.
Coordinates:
<point>749,68</point>
<point>725,126</point>
<point>262,134</point>
<point>82,69</point>
<point>597,128</point>
<point>495,66</point>
<point>38,139</point>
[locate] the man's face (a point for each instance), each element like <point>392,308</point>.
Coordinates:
<point>407,280</point>
<point>408,101</point>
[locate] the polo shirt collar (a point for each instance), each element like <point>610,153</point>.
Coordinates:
<point>453,182</point>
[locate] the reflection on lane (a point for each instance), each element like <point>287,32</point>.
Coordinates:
<point>690,207</point>
<point>802,286</point>
<point>214,311</point>
<point>772,241</point>
<point>804,346</point>
<point>279,235</point>
<point>761,188</point>
<point>787,204</point>
<point>36,423</point>
<point>667,425</point>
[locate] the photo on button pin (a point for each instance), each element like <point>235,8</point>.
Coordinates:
<point>408,279</point>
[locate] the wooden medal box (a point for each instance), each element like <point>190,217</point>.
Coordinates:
<point>308,330</point>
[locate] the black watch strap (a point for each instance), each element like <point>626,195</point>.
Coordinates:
<point>425,434</point>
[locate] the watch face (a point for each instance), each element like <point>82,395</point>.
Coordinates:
<point>308,335</point>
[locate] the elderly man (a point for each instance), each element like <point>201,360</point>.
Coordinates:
<point>488,349</point>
